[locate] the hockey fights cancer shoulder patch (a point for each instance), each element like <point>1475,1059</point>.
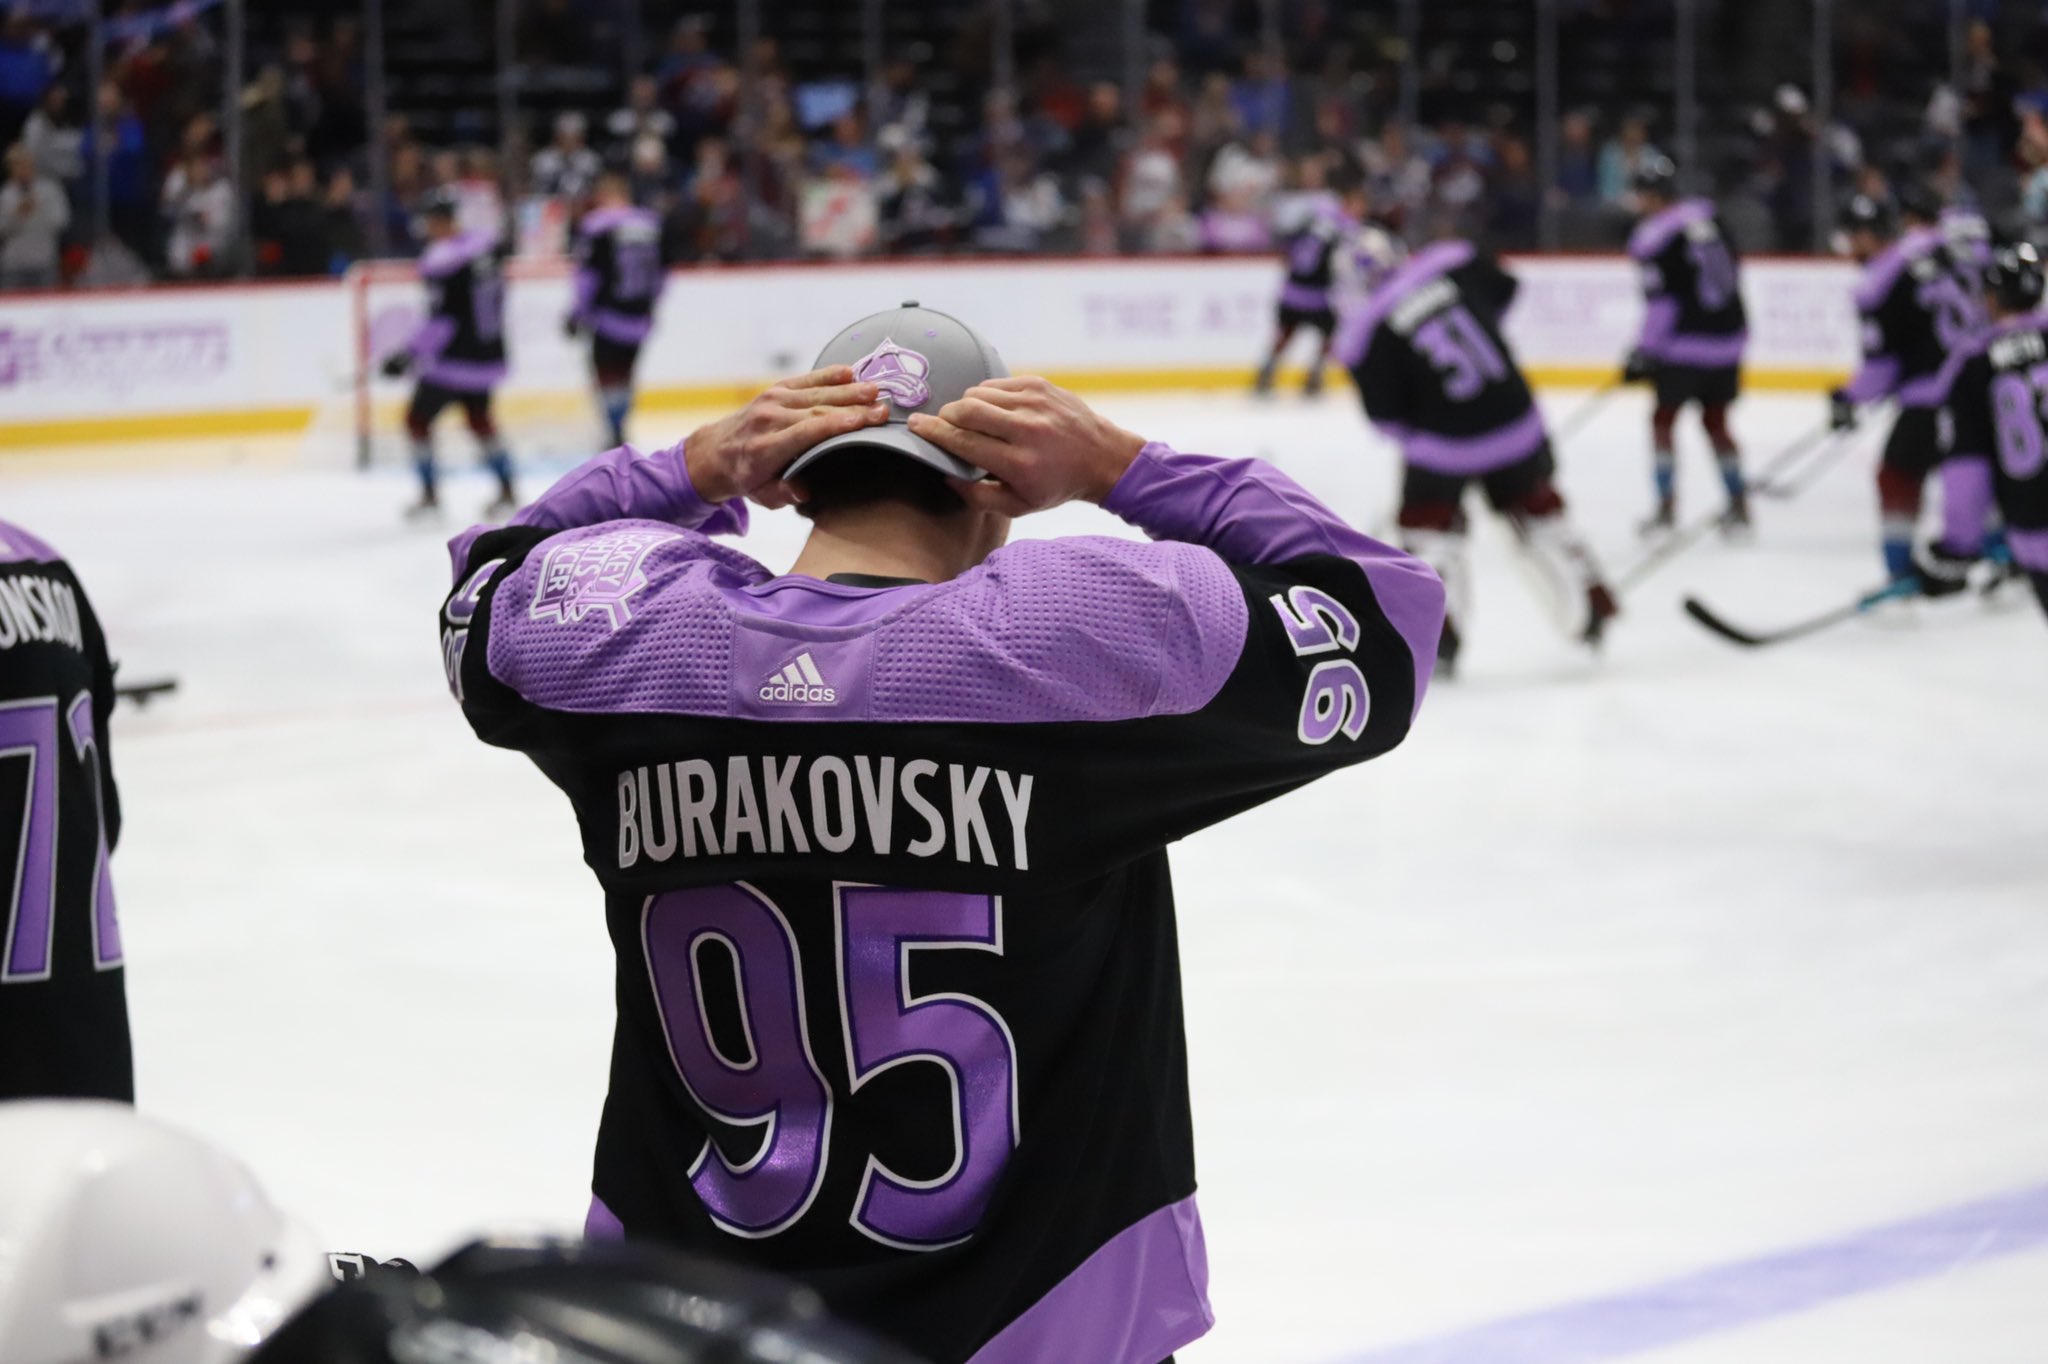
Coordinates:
<point>598,575</point>
<point>899,373</point>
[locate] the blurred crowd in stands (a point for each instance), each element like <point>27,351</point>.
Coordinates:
<point>1239,119</point>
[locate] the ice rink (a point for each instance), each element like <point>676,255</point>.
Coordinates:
<point>1686,1005</point>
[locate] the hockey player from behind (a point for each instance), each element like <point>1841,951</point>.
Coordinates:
<point>619,276</point>
<point>1315,257</point>
<point>1917,310</point>
<point>1436,376</point>
<point>63,1001</point>
<point>1694,332</point>
<point>883,839</point>
<point>1997,448</point>
<point>458,352</point>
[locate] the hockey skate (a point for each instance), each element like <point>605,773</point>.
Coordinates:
<point>1660,522</point>
<point>1735,522</point>
<point>1314,387</point>
<point>428,508</point>
<point>500,509</point>
<point>1262,387</point>
<point>1601,607</point>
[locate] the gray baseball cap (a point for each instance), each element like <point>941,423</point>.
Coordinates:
<point>923,360</point>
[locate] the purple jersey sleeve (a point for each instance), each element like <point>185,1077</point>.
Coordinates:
<point>1250,513</point>
<point>1966,487</point>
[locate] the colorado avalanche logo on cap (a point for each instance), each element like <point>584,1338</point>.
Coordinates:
<point>899,373</point>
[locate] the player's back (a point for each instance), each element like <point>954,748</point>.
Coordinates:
<point>619,263</point>
<point>884,867</point>
<point>465,282</point>
<point>1691,267</point>
<point>63,1011</point>
<point>1918,312</point>
<point>1311,251</point>
<point>1432,367</point>
<point>1996,410</point>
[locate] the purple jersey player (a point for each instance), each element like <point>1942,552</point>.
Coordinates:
<point>619,277</point>
<point>1315,257</point>
<point>1694,332</point>
<point>1918,306</point>
<point>458,351</point>
<point>1436,376</point>
<point>63,1004</point>
<point>883,839</point>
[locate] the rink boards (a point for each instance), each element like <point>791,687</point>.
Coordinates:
<point>278,359</point>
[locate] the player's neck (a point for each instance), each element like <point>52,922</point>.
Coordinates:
<point>890,540</point>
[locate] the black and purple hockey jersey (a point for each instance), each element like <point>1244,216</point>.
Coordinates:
<point>461,344</point>
<point>1432,368</point>
<point>1312,259</point>
<point>619,273</point>
<point>63,1002</point>
<point>1999,440</point>
<point>1917,312</point>
<point>1693,316</point>
<point>885,870</point>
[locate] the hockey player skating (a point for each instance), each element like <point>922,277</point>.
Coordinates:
<point>1315,260</point>
<point>883,838</point>
<point>1694,332</point>
<point>619,277</point>
<point>1918,309</point>
<point>63,999</point>
<point>1435,374</point>
<point>458,352</point>
<point>1998,448</point>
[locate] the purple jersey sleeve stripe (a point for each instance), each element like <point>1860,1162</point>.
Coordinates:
<point>1703,352</point>
<point>1355,333</point>
<point>619,485</point>
<point>464,376</point>
<point>1655,232</point>
<point>1251,513</point>
<point>432,338</point>
<point>1885,268</point>
<point>1660,321</point>
<point>18,546</point>
<point>1469,456</point>
<point>1877,376</point>
<point>584,289</point>
<point>625,328</point>
<point>1139,1298</point>
<point>2029,548</point>
<point>451,254</point>
<point>1966,502</point>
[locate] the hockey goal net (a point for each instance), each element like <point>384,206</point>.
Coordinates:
<point>545,407</point>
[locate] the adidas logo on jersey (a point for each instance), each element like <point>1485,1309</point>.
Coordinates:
<point>799,683</point>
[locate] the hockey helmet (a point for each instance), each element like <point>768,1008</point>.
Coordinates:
<point>1867,213</point>
<point>1655,174</point>
<point>123,1237</point>
<point>2014,277</point>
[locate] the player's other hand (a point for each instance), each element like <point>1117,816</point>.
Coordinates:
<point>1841,411</point>
<point>1040,444</point>
<point>1636,367</point>
<point>572,326</point>
<point>395,365</point>
<point>743,455</point>
<point>1942,571</point>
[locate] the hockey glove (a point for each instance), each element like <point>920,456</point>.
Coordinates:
<point>1638,368</point>
<point>572,326</point>
<point>396,364</point>
<point>1841,411</point>
<point>1942,571</point>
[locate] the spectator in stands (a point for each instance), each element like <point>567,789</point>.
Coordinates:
<point>711,217</point>
<point>199,218</point>
<point>847,154</point>
<point>567,167</point>
<point>1990,123</point>
<point>290,224</point>
<point>342,207</point>
<point>1619,159</point>
<point>1398,177</point>
<point>33,216</point>
<point>28,63</point>
<point>648,179</point>
<point>1163,92</point>
<point>641,116</point>
<point>1096,145</point>
<point>1154,188</point>
<point>1460,171</point>
<point>915,210</point>
<point>1578,162</point>
<point>55,140</point>
<point>1260,95</point>
<point>902,102</point>
<point>131,207</point>
<point>266,123</point>
<point>1513,206</point>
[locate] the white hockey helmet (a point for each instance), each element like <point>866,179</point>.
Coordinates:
<point>125,1239</point>
<point>1375,255</point>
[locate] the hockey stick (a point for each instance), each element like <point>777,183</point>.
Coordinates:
<point>140,694</point>
<point>1751,639</point>
<point>1586,411</point>
<point>1687,536</point>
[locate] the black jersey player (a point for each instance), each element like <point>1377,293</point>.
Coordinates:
<point>458,350</point>
<point>1435,374</point>
<point>883,839</point>
<point>63,1002</point>
<point>1694,331</point>
<point>619,277</point>
<point>1917,309</point>
<point>1314,259</point>
<point>1998,433</point>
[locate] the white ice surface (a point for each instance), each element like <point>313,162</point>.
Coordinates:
<point>1616,971</point>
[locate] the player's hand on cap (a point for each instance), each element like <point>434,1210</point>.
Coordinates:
<point>1040,444</point>
<point>743,455</point>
